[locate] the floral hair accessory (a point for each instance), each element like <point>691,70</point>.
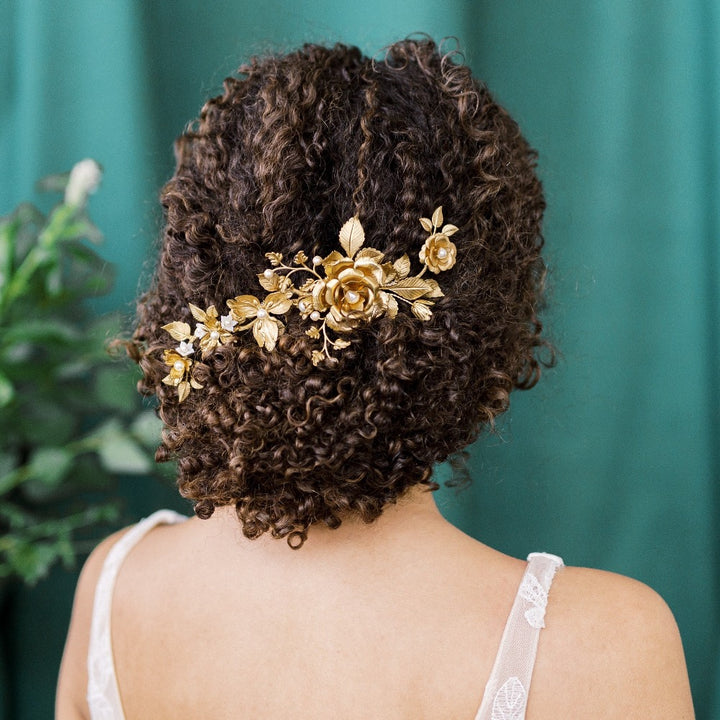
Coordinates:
<point>356,288</point>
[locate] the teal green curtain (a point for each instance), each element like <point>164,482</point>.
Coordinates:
<point>613,461</point>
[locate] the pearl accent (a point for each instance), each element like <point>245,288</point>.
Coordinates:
<point>352,297</point>
<point>317,260</point>
<point>262,313</point>
<point>314,315</point>
<point>214,334</point>
<point>269,273</point>
<point>442,253</point>
<point>302,306</point>
<point>179,365</point>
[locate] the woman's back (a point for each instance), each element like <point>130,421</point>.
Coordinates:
<point>347,293</point>
<point>400,619</point>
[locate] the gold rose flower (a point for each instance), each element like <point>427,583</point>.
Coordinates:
<point>438,252</point>
<point>266,328</point>
<point>350,292</point>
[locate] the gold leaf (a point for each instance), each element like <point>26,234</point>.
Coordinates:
<point>427,224</point>
<point>300,258</point>
<point>371,253</point>
<point>352,236</point>
<point>392,306</point>
<point>178,330</point>
<point>411,288</point>
<point>390,274</point>
<point>285,283</point>
<point>266,331</point>
<point>307,286</point>
<point>195,384</point>
<point>197,313</point>
<point>332,258</point>
<point>437,217</point>
<point>277,303</point>
<point>275,258</point>
<point>449,230</point>
<point>271,283</point>
<point>183,389</point>
<point>435,290</point>
<point>243,306</point>
<point>317,357</point>
<point>340,343</point>
<point>313,332</point>
<point>421,310</point>
<point>402,266</point>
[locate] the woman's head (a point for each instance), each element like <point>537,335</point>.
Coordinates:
<point>293,148</point>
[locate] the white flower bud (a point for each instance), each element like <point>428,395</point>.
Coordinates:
<point>84,180</point>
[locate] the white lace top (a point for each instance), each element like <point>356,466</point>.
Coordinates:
<point>507,689</point>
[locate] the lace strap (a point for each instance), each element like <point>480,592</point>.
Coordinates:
<point>507,689</point>
<point>103,694</point>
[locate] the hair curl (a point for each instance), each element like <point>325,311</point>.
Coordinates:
<point>292,148</point>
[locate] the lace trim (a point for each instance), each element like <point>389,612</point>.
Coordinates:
<point>510,701</point>
<point>532,591</point>
<point>506,693</point>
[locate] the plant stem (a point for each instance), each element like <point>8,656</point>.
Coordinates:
<point>38,255</point>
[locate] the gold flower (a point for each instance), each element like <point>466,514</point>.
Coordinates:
<point>266,328</point>
<point>210,331</point>
<point>179,375</point>
<point>350,292</point>
<point>438,252</point>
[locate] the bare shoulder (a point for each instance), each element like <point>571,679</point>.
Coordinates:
<point>611,649</point>
<point>72,682</point>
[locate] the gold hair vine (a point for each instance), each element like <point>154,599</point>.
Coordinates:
<point>358,287</point>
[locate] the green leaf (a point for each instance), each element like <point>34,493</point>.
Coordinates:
<point>81,228</point>
<point>53,280</point>
<point>118,450</point>
<point>53,183</point>
<point>147,427</point>
<point>54,330</point>
<point>114,389</point>
<point>44,421</point>
<point>50,465</point>
<point>7,391</point>
<point>31,561</point>
<point>124,455</point>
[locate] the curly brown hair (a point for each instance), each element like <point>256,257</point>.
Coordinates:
<point>294,146</point>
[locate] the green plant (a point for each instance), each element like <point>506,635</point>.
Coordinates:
<point>69,423</point>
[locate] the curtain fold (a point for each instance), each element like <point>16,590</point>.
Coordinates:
<point>613,460</point>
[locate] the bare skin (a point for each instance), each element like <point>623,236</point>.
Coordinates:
<point>396,620</point>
